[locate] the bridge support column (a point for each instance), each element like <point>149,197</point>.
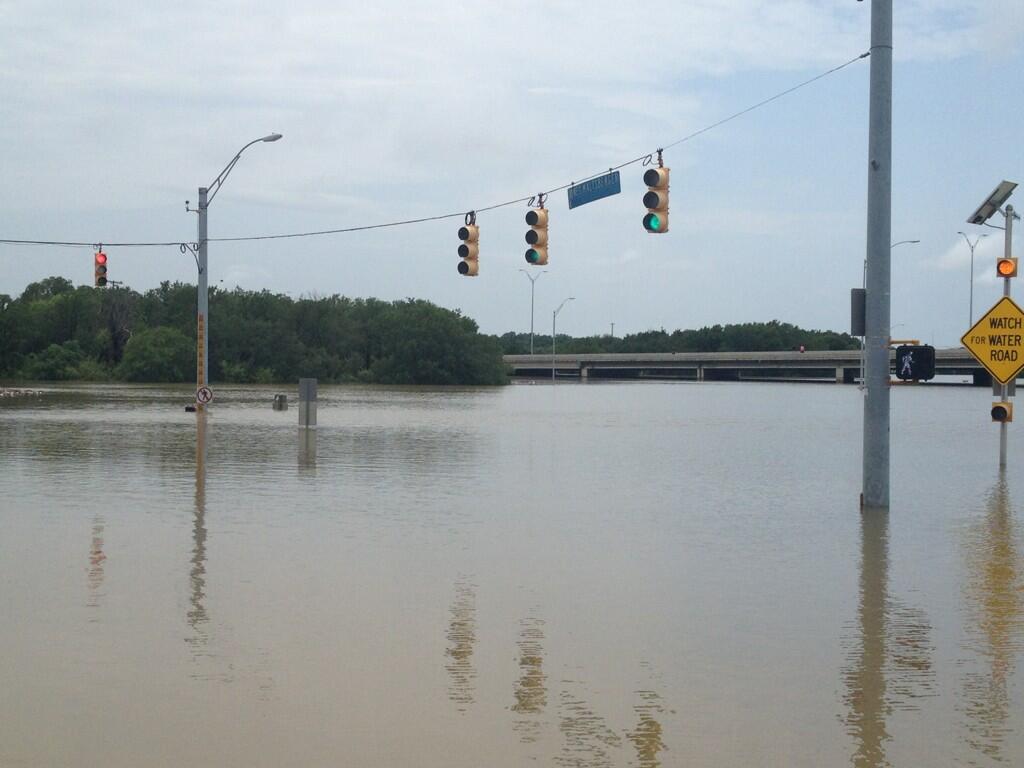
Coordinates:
<point>584,373</point>
<point>840,373</point>
<point>700,373</point>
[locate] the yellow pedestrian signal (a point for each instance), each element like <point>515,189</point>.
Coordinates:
<point>100,269</point>
<point>1006,267</point>
<point>537,236</point>
<point>469,251</point>
<point>656,200</point>
<point>1002,412</point>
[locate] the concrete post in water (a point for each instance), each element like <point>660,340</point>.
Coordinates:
<point>280,402</point>
<point>307,403</point>
<point>875,487</point>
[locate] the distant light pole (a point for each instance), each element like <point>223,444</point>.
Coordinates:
<point>970,320</point>
<point>533,280</point>
<point>554,317</point>
<point>203,330</point>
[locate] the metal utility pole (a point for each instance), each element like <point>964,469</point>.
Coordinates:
<point>875,487</point>
<point>533,279</point>
<point>1007,254</point>
<point>970,320</point>
<point>202,318</point>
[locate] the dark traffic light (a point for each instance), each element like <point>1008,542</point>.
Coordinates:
<point>537,236</point>
<point>100,269</point>
<point>915,363</point>
<point>469,251</point>
<point>1002,412</point>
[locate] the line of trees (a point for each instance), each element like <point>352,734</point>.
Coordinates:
<point>745,337</point>
<point>55,331</point>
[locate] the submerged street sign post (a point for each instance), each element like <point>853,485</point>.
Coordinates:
<point>594,189</point>
<point>997,340</point>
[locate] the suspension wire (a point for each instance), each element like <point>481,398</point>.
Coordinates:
<point>517,201</point>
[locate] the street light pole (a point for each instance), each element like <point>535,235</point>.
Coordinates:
<point>554,317</point>
<point>970,320</point>
<point>202,318</point>
<point>533,280</point>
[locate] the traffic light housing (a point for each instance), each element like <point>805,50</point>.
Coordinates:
<point>656,200</point>
<point>469,251</point>
<point>1002,412</point>
<point>915,362</point>
<point>537,236</point>
<point>100,269</point>
<point>1006,267</point>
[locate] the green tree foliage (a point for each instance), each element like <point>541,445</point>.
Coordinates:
<point>773,336</point>
<point>57,331</point>
<point>158,354</point>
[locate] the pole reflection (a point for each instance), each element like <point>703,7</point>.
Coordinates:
<point>531,691</point>
<point>196,616</point>
<point>461,642</point>
<point>646,737</point>
<point>890,662</point>
<point>97,559</point>
<point>994,595</point>
<point>307,450</point>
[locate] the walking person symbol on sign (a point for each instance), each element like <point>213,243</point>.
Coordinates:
<point>907,369</point>
<point>204,395</point>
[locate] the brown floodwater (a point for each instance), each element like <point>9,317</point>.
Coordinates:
<point>582,575</point>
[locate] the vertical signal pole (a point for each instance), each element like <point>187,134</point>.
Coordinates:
<point>875,488</point>
<point>1005,393</point>
<point>202,346</point>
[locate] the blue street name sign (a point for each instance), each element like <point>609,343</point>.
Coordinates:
<point>594,189</point>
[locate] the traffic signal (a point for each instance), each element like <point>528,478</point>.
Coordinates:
<point>915,362</point>
<point>537,236</point>
<point>1002,412</point>
<point>656,200</point>
<point>469,251</point>
<point>100,269</point>
<point>1006,267</point>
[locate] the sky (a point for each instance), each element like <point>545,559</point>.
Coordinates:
<point>115,113</point>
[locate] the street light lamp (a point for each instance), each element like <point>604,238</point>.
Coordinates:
<point>554,317</point>
<point>533,279</point>
<point>970,319</point>
<point>206,195</point>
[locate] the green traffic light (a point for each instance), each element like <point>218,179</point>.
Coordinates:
<point>532,257</point>
<point>652,222</point>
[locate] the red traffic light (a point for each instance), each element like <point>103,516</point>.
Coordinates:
<point>101,258</point>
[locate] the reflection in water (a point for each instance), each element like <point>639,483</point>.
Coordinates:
<point>994,595</point>
<point>889,664</point>
<point>96,561</point>
<point>587,737</point>
<point>307,449</point>
<point>531,689</point>
<point>646,737</point>
<point>196,616</point>
<point>461,639</point>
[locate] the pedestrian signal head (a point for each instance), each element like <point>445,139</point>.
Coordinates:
<point>1006,267</point>
<point>1002,412</point>
<point>656,200</point>
<point>100,269</point>
<point>469,250</point>
<point>537,236</point>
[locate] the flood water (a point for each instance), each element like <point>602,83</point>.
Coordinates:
<point>641,575</point>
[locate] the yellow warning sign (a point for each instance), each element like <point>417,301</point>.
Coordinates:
<point>997,340</point>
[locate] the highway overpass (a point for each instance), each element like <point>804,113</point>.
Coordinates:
<point>831,366</point>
